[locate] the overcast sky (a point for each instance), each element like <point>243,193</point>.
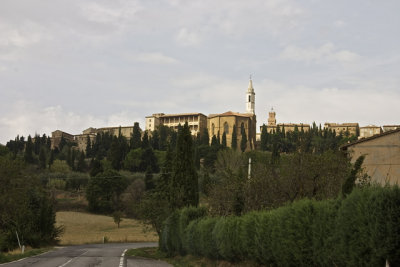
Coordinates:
<point>75,64</point>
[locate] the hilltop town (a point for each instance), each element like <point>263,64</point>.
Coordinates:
<point>217,124</point>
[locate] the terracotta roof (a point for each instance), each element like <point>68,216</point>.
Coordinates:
<point>344,147</point>
<point>370,126</point>
<point>231,113</point>
<point>333,124</point>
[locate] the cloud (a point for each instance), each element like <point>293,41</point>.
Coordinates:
<point>325,53</point>
<point>20,36</point>
<point>188,38</point>
<point>26,118</point>
<point>155,57</point>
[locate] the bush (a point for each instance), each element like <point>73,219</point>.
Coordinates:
<point>362,229</point>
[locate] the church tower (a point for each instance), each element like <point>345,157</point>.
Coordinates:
<point>250,98</point>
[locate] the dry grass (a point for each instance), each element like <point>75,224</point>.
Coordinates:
<point>84,228</point>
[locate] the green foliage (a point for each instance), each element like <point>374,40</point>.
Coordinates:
<point>24,207</point>
<point>184,183</point>
<point>351,180</point>
<point>362,229</point>
<point>136,138</point>
<point>234,138</point>
<point>117,217</point>
<point>103,191</point>
<point>60,166</point>
<point>243,141</point>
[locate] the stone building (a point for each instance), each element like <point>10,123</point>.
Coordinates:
<point>382,156</point>
<point>56,137</point>
<point>390,127</point>
<point>370,130</point>
<point>224,122</point>
<point>287,127</point>
<point>196,121</point>
<point>352,128</point>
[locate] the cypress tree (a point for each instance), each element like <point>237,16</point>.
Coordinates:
<point>42,158</point>
<point>184,181</point>
<point>88,147</point>
<point>114,155</point>
<point>223,142</point>
<point>136,137</point>
<point>234,138</point>
<point>204,137</point>
<point>28,154</point>
<point>264,138</point>
<point>81,167</point>
<point>243,142</point>
<point>145,140</point>
<point>155,140</point>
<point>214,142</point>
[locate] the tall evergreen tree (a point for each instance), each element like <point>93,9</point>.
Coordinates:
<point>184,181</point>
<point>114,155</point>
<point>243,142</point>
<point>145,140</point>
<point>148,179</point>
<point>42,158</point>
<point>88,147</point>
<point>204,137</point>
<point>51,158</point>
<point>136,137</point>
<point>81,167</point>
<point>264,138</point>
<point>155,140</point>
<point>223,142</point>
<point>234,138</point>
<point>28,154</point>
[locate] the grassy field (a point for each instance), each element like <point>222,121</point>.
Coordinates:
<point>84,228</point>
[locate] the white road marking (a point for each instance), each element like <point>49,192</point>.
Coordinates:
<point>73,259</point>
<point>121,260</point>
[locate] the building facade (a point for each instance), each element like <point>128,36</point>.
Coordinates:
<point>390,127</point>
<point>218,124</point>
<point>370,130</point>
<point>342,128</point>
<point>56,137</point>
<point>382,156</point>
<point>287,127</point>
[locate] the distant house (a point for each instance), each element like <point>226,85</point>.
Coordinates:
<point>370,130</point>
<point>342,128</point>
<point>390,127</point>
<point>382,156</point>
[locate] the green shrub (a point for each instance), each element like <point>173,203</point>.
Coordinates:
<point>170,239</point>
<point>187,215</point>
<point>227,238</point>
<point>207,246</point>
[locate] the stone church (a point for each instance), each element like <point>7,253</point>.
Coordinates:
<point>218,124</point>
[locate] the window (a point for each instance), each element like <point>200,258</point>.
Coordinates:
<point>249,99</point>
<point>226,128</point>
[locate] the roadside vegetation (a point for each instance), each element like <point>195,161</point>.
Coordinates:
<point>169,179</point>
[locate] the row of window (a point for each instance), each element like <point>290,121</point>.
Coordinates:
<point>226,128</point>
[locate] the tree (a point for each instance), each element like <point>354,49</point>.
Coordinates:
<point>234,138</point>
<point>42,158</point>
<point>351,179</point>
<point>145,140</point>
<point>81,167</point>
<point>28,154</point>
<point>117,216</point>
<point>243,142</point>
<point>223,142</point>
<point>96,167</point>
<point>115,154</point>
<point>155,140</point>
<point>148,179</point>
<point>51,159</point>
<point>103,191</point>
<point>136,137</point>
<point>88,147</point>
<point>184,184</point>
<point>264,138</point>
<point>149,159</point>
<point>204,137</point>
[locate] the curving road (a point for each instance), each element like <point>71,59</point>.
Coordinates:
<point>102,255</point>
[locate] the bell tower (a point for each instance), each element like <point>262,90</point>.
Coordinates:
<point>250,98</point>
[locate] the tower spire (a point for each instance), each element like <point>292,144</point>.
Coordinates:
<point>250,98</point>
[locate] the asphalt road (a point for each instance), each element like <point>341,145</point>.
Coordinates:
<point>104,255</point>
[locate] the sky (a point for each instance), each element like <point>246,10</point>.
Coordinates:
<point>75,64</point>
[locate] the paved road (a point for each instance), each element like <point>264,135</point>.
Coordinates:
<point>104,255</point>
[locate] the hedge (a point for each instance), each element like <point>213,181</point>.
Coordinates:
<point>362,229</point>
